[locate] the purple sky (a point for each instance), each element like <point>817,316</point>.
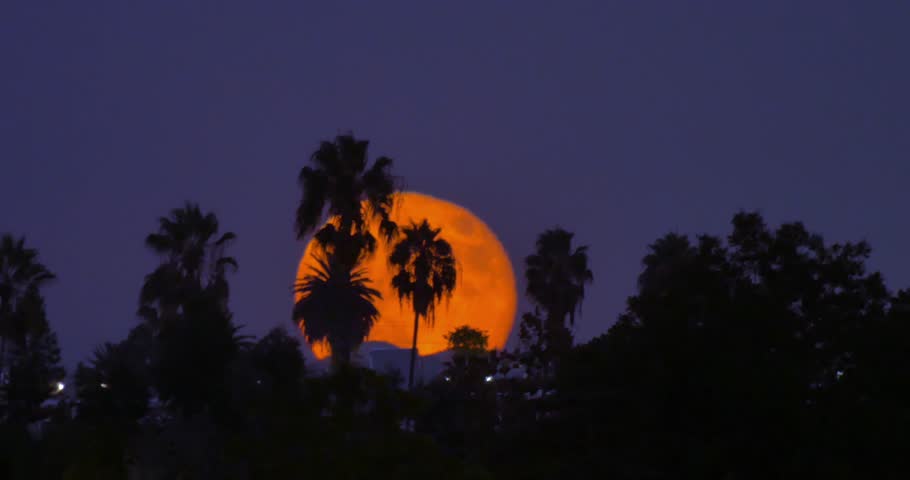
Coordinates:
<point>620,121</point>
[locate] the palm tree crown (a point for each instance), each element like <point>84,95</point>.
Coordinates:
<point>557,274</point>
<point>426,274</point>
<point>336,306</point>
<point>340,185</point>
<point>21,276</point>
<point>426,268</point>
<point>193,261</point>
<point>20,271</point>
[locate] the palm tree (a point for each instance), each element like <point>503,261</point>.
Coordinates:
<point>556,275</point>
<point>338,184</point>
<point>184,302</point>
<point>426,275</point>
<point>20,276</point>
<point>193,263</point>
<point>336,306</point>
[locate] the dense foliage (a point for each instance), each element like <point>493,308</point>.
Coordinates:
<point>766,354</point>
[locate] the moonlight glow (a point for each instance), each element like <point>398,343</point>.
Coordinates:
<point>484,297</point>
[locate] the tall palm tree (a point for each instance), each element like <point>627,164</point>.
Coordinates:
<point>336,306</point>
<point>193,262</point>
<point>184,302</point>
<point>426,275</point>
<point>340,185</point>
<point>557,274</point>
<point>21,274</point>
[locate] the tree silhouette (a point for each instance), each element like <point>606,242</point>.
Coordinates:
<point>339,184</point>
<point>34,372</point>
<point>336,306</point>
<point>556,274</point>
<point>277,356</point>
<point>184,302</point>
<point>113,387</point>
<point>193,263</point>
<point>425,275</point>
<point>472,363</point>
<point>463,410</point>
<point>745,358</point>
<point>467,340</point>
<point>20,273</point>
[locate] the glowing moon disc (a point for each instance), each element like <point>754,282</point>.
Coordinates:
<point>484,296</point>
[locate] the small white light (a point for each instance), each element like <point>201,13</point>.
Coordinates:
<point>488,378</point>
<point>103,385</point>
<point>839,373</point>
<point>448,379</point>
<point>60,387</point>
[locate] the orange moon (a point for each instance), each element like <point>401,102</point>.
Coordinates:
<point>484,296</point>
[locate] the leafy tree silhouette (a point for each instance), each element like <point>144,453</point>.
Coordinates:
<point>463,407</point>
<point>465,340</point>
<point>113,387</point>
<point>34,372</point>
<point>731,360</point>
<point>277,356</point>
<point>472,364</point>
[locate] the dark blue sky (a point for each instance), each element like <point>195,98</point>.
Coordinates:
<point>620,121</point>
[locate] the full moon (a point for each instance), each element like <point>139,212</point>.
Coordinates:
<point>484,297</point>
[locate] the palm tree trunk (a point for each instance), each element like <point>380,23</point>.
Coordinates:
<point>413,352</point>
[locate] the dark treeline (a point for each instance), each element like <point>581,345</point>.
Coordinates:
<point>767,353</point>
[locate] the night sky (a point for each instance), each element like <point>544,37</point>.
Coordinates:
<point>620,121</point>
